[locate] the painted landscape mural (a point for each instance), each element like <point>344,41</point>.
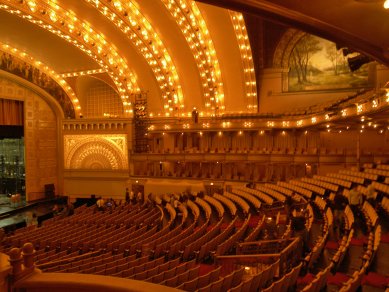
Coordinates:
<point>316,64</point>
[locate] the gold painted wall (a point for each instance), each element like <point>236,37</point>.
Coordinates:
<point>95,164</point>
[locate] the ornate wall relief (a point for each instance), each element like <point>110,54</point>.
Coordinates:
<point>108,152</point>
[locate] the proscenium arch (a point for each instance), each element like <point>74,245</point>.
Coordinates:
<point>58,113</point>
<point>49,99</point>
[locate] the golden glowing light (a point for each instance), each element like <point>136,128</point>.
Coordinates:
<point>126,16</point>
<point>247,59</point>
<point>194,28</point>
<point>65,24</point>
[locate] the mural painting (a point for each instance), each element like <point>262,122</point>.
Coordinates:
<point>316,64</point>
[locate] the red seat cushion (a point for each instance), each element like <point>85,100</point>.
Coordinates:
<point>332,245</point>
<point>308,278</point>
<point>385,238</point>
<point>357,241</point>
<point>375,280</point>
<point>338,279</point>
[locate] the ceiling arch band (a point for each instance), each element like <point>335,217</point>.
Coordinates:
<point>190,21</point>
<point>247,60</point>
<point>65,24</point>
<point>127,17</point>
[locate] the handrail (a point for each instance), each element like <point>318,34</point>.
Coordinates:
<point>61,282</point>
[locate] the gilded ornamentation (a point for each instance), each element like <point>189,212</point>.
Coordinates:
<point>96,152</point>
<point>19,67</point>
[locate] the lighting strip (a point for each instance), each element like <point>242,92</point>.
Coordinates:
<point>189,19</point>
<point>48,71</point>
<point>65,24</point>
<point>127,17</point>
<point>247,59</point>
<point>378,103</point>
<point>83,73</point>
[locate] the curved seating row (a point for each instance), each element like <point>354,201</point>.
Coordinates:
<point>276,195</point>
<point>260,195</point>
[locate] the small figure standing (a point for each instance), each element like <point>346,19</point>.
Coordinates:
<point>355,198</point>
<point>70,209</point>
<point>100,204</point>
<point>34,220</point>
<point>140,198</point>
<point>127,196</point>
<point>195,115</point>
<point>355,201</point>
<point>55,210</point>
<point>339,204</point>
<point>31,219</point>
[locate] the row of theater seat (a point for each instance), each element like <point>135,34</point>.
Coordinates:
<point>136,235</point>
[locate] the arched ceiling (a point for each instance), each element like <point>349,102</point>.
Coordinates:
<point>49,49</point>
<point>183,53</point>
<point>172,49</point>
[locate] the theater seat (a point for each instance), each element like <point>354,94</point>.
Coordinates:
<point>375,280</point>
<point>338,279</point>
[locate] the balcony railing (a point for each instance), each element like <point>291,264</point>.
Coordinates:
<point>95,124</point>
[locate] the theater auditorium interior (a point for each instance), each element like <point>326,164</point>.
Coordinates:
<point>180,145</point>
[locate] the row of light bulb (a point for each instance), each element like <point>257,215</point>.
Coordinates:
<point>263,132</point>
<point>48,71</point>
<point>128,18</point>
<point>83,73</point>
<point>247,59</point>
<point>148,42</point>
<point>65,24</point>
<point>372,105</point>
<point>190,21</point>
